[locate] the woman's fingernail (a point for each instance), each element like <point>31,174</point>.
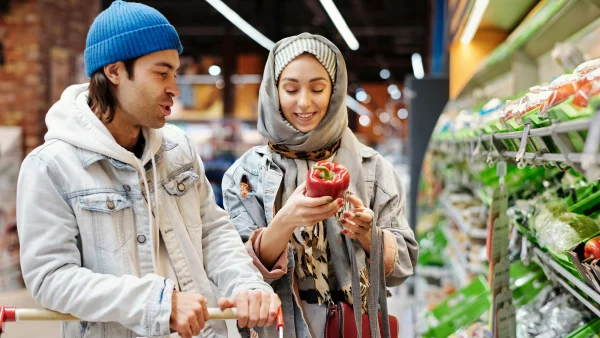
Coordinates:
<point>345,231</point>
<point>340,201</point>
<point>329,199</point>
<point>343,220</point>
<point>357,214</point>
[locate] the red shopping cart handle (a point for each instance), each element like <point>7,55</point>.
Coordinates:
<point>279,324</point>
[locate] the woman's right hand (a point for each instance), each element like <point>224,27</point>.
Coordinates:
<point>301,210</point>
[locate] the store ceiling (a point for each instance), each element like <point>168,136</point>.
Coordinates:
<point>389,31</point>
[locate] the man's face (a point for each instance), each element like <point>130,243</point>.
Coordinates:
<point>146,97</point>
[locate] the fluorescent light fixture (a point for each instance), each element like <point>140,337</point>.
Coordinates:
<point>474,21</point>
<point>241,23</point>
<point>356,106</point>
<point>417,65</point>
<point>402,113</point>
<point>268,44</point>
<point>340,24</point>
<point>364,121</point>
<point>385,74</point>
<point>214,70</point>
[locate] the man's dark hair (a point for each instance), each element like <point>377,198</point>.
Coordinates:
<point>102,98</point>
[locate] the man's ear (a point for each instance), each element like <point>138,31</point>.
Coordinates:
<point>114,72</point>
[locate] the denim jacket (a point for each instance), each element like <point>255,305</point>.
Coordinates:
<point>86,245</point>
<point>256,210</point>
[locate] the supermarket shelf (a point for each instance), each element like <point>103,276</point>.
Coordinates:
<point>562,276</point>
<point>464,227</point>
<point>458,261</point>
<point>586,163</point>
<point>555,20</point>
<point>432,271</point>
<point>460,267</point>
<point>559,128</point>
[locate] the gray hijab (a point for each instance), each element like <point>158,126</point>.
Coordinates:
<point>274,127</point>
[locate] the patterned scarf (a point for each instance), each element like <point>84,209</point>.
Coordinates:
<point>310,244</point>
<point>318,155</point>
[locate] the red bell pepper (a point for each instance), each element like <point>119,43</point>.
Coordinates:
<point>327,179</point>
<point>592,248</point>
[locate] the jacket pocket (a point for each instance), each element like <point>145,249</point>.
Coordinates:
<point>107,220</point>
<point>182,189</point>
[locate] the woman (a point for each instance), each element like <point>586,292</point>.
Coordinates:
<point>310,257</point>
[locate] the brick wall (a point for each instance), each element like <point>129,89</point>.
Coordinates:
<point>43,41</point>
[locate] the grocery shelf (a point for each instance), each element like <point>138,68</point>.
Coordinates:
<point>557,128</point>
<point>561,275</point>
<point>586,162</point>
<point>458,261</point>
<point>464,227</point>
<point>554,20</point>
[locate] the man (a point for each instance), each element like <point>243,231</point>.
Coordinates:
<point>117,221</point>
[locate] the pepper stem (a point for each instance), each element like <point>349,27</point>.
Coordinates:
<point>326,174</point>
<point>589,259</point>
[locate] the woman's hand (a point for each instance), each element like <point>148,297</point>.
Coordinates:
<point>357,223</point>
<point>300,210</point>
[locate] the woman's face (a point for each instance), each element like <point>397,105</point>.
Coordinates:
<point>304,92</point>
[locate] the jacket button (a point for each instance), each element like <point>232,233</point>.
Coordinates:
<point>141,239</point>
<point>181,187</point>
<point>110,205</point>
<point>127,188</point>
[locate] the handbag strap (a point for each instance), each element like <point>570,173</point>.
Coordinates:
<point>377,291</point>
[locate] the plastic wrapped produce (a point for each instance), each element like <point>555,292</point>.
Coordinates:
<point>558,230</point>
<point>553,313</point>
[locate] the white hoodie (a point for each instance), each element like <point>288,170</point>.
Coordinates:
<point>71,120</point>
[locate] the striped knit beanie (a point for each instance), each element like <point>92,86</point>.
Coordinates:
<point>306,45</point>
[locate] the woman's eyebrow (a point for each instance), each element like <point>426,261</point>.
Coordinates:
<point>295,80</point>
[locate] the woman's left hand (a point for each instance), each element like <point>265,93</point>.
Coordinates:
<point>357,223</point>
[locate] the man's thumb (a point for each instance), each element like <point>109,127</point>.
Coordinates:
<point>225,303</point>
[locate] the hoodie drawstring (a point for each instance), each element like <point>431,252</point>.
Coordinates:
<point>153,240</point>
<point>157,216</point>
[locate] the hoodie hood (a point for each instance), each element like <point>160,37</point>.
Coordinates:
<point>71,120</point>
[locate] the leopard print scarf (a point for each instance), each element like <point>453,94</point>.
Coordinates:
<point>310,244</point>
<point>317,155</point>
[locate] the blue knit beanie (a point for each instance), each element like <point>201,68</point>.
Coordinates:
<point>127,30</point>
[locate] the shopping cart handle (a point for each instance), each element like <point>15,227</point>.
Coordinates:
<point>280,324</point>
<point>11,314</point>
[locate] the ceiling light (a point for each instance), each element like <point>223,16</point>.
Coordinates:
<point>364,121</point>
<point>361,96</point>
<point>402,113</point>
<point>214,70</point>
<point>385,74</point>
<point>474,21</point>
<point>417,64</point>
<point>241,23</point>
<point>340,24</point>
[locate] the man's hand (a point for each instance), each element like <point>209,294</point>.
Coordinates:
<point>254,307</point>
<point>188,313</point>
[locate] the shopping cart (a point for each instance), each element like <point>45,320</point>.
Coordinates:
<point>11,314</point>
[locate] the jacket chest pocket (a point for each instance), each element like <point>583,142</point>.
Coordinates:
<point>107,220</point>
<point>182,189</point>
